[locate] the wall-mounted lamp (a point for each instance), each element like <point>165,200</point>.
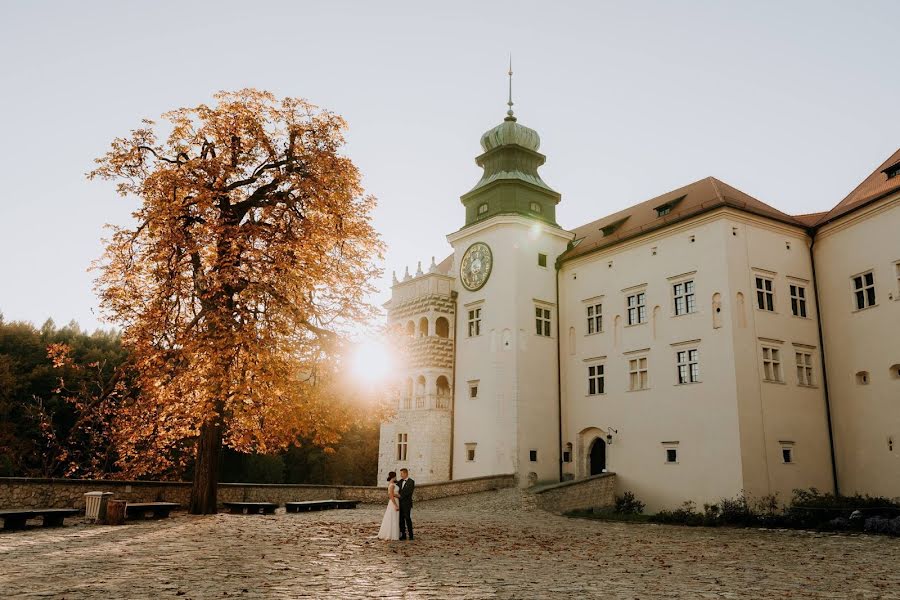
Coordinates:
<point>609,435</point>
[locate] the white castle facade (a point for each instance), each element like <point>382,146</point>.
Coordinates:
<point>698,344</point>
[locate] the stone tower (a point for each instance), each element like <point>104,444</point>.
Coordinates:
<point>419,436</point>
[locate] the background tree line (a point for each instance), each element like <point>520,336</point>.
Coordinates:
<point>57,412</point>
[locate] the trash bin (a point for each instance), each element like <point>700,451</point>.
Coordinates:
<point>115,512</point>
<point>95,505</point>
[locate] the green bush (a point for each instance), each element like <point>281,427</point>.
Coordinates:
<point>627,504</point>
<point>686,515</point>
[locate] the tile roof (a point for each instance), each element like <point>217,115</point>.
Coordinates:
<point>810,219</point>
<point>690,200</point>
<point>872,187</point>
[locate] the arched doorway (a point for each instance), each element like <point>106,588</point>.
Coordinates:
<point>598,457</point>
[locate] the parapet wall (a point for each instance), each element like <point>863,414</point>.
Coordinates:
<point>598,491</point>
<point>25,492</point>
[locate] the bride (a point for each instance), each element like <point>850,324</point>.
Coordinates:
<point>390,524</point>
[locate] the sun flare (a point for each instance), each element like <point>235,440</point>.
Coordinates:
<point>371,361</point>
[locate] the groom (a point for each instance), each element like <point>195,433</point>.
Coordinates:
<point>407,487</point>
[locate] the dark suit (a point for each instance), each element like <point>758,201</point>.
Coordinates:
<point>406,503</point>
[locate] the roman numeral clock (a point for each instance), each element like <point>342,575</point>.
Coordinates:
<point>475,267</point>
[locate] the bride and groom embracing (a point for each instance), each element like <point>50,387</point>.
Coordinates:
<point>397,520</point>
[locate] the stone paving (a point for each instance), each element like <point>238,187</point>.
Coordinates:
<point>489,545</point>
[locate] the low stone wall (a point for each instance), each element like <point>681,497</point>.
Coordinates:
<point>592,492</point>
<point>25,492</point>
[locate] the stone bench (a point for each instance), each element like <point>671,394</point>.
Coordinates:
<point>15,518</point>
<point>311,505</point>
<point>250,508</point>
<point>158,510</point>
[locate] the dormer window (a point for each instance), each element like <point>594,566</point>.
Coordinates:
<point>664,209</point>
<point>482,208</point>
<point>892,171</point>
<point>612,227</point>
<point>535,208</point>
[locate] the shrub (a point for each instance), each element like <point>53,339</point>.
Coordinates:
<point>882,525</point>
<point>814,509</point>
<point>627,504</point>
<point>686,515</point>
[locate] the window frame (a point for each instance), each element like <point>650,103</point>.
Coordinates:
<point>689,364</point>
<point>638,309</point>
<point>596,379</point>
<point>543,319</point>
<point>594,316</point>
<point>470,451</point>
<point>634,373</point>
<point>688,299</point>
<point>804,368</point>
<point>473,384</point>
<point>671,459</point>
<point>787,451</point>
<point>799,300</point>
<point>866,292</point>
<point>402,446</point>
<point>482,209</point>
<point>473,322</point>
<point>532,455</point>
<point>764,296</point>
<point>773,359</point>
<point>542,257</point>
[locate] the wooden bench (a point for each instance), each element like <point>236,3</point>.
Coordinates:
<point>311,505</point>
<point>158,510</point>
<point>15,518</point>
<point>250,508</point>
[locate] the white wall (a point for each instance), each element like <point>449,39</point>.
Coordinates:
<point>866,417</point>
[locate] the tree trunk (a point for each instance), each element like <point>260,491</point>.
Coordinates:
<point>204,492</point>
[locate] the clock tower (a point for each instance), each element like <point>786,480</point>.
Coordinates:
<point>506,411</point>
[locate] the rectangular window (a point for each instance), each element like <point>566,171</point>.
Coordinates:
<point>688,366</point>
<point>864,290</point>
<point>470,452</point>
<point>595,380</point>
<point>567,456</point>
<point>765,294</point>
<point>594,318</point>
<point>637,369</point>
<point>684,297</point>
<point>542,260</point>
<point>402,444</point>
<point>798,300</point>
<point>637,308</point>
<point>532,455</point>
<point>671,455</point>
<point>542,321</point>
<point>473,389</point>
<point>772,364</point>
<point>474,322</point>
<point>787,454</point>
<point>804,368</point>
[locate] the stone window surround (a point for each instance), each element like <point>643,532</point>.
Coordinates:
<point>479,317</point>
<point>638,292</point>
<point>599,361</point>
<point>548,306</point>
<point>637,356</point>
<point>774,358</point>
<point>854,290</point>
<point>787,451</point>
<point>770,294</point>
<point>809,351</point>
<point>681,279</point>
<point>593,302</point>
<point>470,451</point>
<point>473,385</point>
<point>673,448</point>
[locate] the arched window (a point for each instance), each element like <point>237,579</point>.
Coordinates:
<point>442,327</point>
<point>535,208</point>
<point>411,329</point>
<point>420,392</point>
<point>482,208</point>
<point>423,327</point>
<point>443,392</point>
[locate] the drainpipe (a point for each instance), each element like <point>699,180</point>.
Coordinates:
<point>559,335</point>
<point>812,260</point>
<point>453,296</point>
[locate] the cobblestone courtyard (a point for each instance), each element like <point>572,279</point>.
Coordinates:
<point>488,545</point>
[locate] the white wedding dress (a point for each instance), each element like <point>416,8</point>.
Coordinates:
<point>390,524</point>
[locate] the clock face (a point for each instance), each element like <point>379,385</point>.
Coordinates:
<point>476,266</point>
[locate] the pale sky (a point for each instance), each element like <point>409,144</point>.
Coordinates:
<point>791,102</point>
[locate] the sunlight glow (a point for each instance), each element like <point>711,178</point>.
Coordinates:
<point>371,361</point>
<point>535,231</point>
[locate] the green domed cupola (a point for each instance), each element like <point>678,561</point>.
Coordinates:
<point>510,183</point>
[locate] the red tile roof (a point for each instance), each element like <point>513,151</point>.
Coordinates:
<point>872,188</point>
<point>693,199</point>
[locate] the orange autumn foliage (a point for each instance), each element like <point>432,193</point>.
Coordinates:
<point>251,255</point>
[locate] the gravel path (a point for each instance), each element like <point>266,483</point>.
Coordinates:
<point>490,545</point>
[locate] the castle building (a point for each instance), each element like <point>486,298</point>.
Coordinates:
<point>698,344</point>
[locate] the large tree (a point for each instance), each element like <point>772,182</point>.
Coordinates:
<point>252,249</point>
